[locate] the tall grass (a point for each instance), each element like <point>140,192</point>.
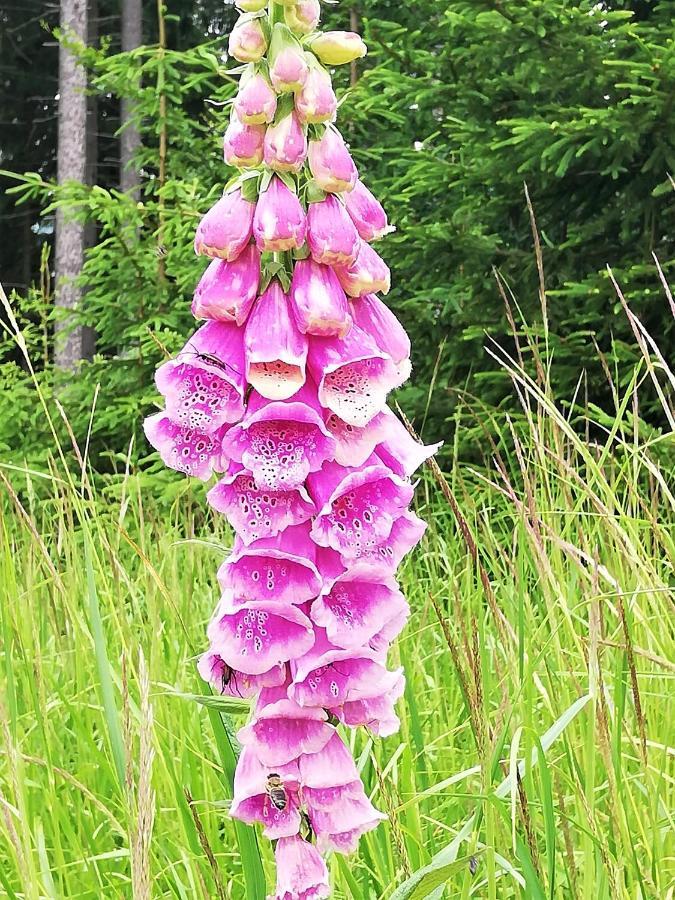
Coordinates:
<point>535,757</point>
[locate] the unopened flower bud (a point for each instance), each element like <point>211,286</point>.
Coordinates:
<point>279,222</point>
<point>285,148</point>
<point>256,102</point>
<point>243,144</point>
<point>247,40</point>
<point>334,48</point>
<point>303,15</point>
<point>331,165</point>
<point>251,5</point>
<point>316,101</point>
<point>331,235</point>
<point>367,213</point>
<point>226,228</point>
<point>288,66</point>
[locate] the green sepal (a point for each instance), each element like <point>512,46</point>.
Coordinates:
<point>313,193</point>
<point>301,252</point>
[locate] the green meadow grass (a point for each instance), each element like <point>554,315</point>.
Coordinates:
<point>535,756</point>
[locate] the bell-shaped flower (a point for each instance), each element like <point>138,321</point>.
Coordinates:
<point>276,352</point>
<point>204,385</point>
<point>226,680</point>
<point>281,569</point>
<point>353,445</point>
<point>247,41</point>
<point>254,636</point>
<point>281,730</point>
<point>227,290</point>
<point>316,102</point>
<point>367,213</point>
<point>341,829</point>
<point>280,443</point>
<point>279,222</point>
<point>301,871</point>
<point>330,163</point>
<point>359,604</point>
<point>406,533</point>
<point>255,512</point>
<point>353,375</point>
<point>226,228</point>
<point>377,320</point>
<point>256,102</point>
<point>302,15</point>
<point>317,300</point>
<point>188,451</point>
<point>335,48</point>
<point>401,452</point>
<point>275,806</point>
<point>375,713</point>
<point>242,143</point>
<point>357,506</point>
<point>331,236</point>
<point>325,775</point>
<point>368,274</point>
<point>285,146</point>
<point>287,61</point>
<point>328,676</point>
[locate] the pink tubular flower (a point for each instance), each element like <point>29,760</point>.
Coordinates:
<point>279,222</point>
<point>401,452</point>
<point>228,681</point>
<point>243,144</point>
<point>353,445</point>
<point>227,290</point>
<point>285,147</point>
<point>204,385</point>
<point>406,533</point>
<point>247,41</point>
<point>281,443</point>
<point>377,713</point>
<point>331,235</point>
<point>340,829</point>
<point>316,102</point>
<point>188,451</point>
<point>367,213</point>
<point>335,48</point>
<point>256,102</point>
<point>252,801</point>
<point>226,228</point>
<point>377,320</point>
<point>256,512</point>
<point>288,65</point>
<point>301,872</point>
<point>330,163</point>
<point>281,568</point>
<point>357,507</point>
<point>255,635</point>
<point>368,274</point>
<point>317,300</point>
<point>359,604</point>
<point>302,15</point>
<point>353,375</point>
<point>276,352</point>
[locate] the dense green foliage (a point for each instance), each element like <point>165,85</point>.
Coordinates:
<point>455,107</point>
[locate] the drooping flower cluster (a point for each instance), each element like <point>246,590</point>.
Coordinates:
<point>282,393</point>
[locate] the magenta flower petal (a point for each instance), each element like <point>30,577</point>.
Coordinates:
<point>227,290</point>
<point>280,443</point>
<point>331,766</point>
<point>318,302</point>
<point>406,533</point>
<point>359,604</point>
<point>353,444</point>
<point>184,449</point>
<point>401,452</point>
<point>301,872</point>
<point>279,222</point>
<point>252,803</point>
<point>288,69</point>
<point>254,637</point>
<point>243,143</point>
<point>285,145</point>
<point>358,507</point>
<point>204,385</point>
<point>226,228</point>
<point>228,681</point>
<point>341,828</point>
<point>256,512</point>
<point>366,213</point>
<point>256,102</point>
<point>331,235</point>
<point>276,352</point>
<point>282,731</point>
<point>316,101</point>
<point>368,274</point>
<point>353,375</point>
<point>247,42</point>
<point>280,569</point>
<point>377,320</point>
<point>376,713</point>
<point>330,163</point>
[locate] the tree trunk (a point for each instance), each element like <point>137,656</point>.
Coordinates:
<point>90,229</point>
<point>130,139</point>
<point>71,165</point>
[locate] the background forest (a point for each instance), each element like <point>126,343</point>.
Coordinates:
<point>520,148</point>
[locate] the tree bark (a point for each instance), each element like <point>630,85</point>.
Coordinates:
<point>71,165</point>
<point>90,229</point>
<point>130,139</point>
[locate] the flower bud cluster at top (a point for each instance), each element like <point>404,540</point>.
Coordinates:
<point>283,392</point>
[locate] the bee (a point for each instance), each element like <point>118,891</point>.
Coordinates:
<point>332,718</point>
<point>276,791</point>
<point>307,825</point>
